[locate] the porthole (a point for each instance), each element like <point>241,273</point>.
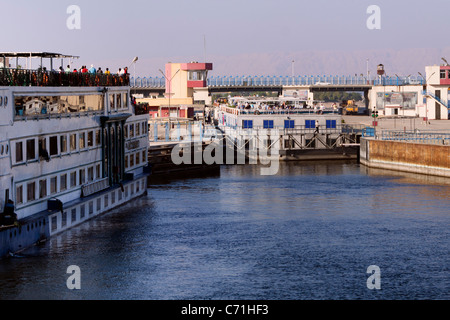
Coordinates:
<point>2,149</point>
<point>1,101</point>
<point>7,149</point>
<point>5,101</point>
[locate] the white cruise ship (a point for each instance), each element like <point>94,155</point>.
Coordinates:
<point>72,146</point>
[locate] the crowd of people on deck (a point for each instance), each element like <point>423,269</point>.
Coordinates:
<point>92,70</point>
<point>282,106</point>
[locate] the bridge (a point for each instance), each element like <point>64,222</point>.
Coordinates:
<point>276,83</point>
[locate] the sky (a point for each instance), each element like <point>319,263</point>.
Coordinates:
<point>240,37</point>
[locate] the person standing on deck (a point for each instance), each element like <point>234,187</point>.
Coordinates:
<point>92,69</point>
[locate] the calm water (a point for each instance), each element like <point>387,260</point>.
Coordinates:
<point>309,232</point>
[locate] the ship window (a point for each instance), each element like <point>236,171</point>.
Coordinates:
<point>90,138</point>
<point>138,159</point>
<point>331,124</point>
<point>82,211</point>
<point>111,101</point>
<point>82,140</point>
<point>98,172</point>
<point>131,160</point>
<point>19,151</point>
<point>310,124</point>
<point>31,191</point>
<point>124,101</point>
<point>19,194</point>
<point>138,131</point>
<point>97,137</point>
<point>131,131</point>
<point>91,174</point>
<point>53,185</point>
<point>74,215</point>
<point>268,124</point>
<point>63,182</point>
<point>53,145</point>
<point>289,124</point>
<point>42,188</point>
<point>64,219</point>
<point>118,101</point>
<point>82,176</point>
<point>63,143</point>
<point>31,149</point>
<point>73,179</point>
<point>73,142</point>
<point>247,124</point>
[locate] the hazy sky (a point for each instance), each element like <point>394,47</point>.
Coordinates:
<point>242,36</point>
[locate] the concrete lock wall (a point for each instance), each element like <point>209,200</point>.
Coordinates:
<point>405,156</point>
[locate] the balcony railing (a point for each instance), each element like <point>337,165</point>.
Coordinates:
<point>40,78</point>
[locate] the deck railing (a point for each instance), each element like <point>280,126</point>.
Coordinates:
<point>41,78</point>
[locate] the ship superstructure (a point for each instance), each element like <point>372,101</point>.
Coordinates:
<point>72,146</point>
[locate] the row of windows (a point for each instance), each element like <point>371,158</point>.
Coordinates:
<point>289,124</point>
<point>134,159</point>
<point>49,186</point>
<point>79,213</point>
<point>46,147</point>
<point>118,101</point>
<point>137,129</point>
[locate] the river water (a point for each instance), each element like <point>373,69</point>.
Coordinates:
<point>309,232</point>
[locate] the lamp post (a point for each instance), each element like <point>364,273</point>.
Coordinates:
<point>134,72</point>
<point>426,96</point>
<point>169,81</point>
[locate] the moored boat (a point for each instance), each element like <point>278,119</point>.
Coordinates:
<point>72,146</point>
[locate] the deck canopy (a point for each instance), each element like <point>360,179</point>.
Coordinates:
<point>49,55</point>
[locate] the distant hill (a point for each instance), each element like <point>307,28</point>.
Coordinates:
<point>403,62</point>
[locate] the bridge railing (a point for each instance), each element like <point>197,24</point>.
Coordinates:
<point>416,137</point>
<point>278,81</point>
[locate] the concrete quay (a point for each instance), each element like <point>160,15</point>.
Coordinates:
<point>406,155</point>
<point>399,123</point>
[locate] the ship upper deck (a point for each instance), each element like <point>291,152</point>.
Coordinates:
<point>41,77</point>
